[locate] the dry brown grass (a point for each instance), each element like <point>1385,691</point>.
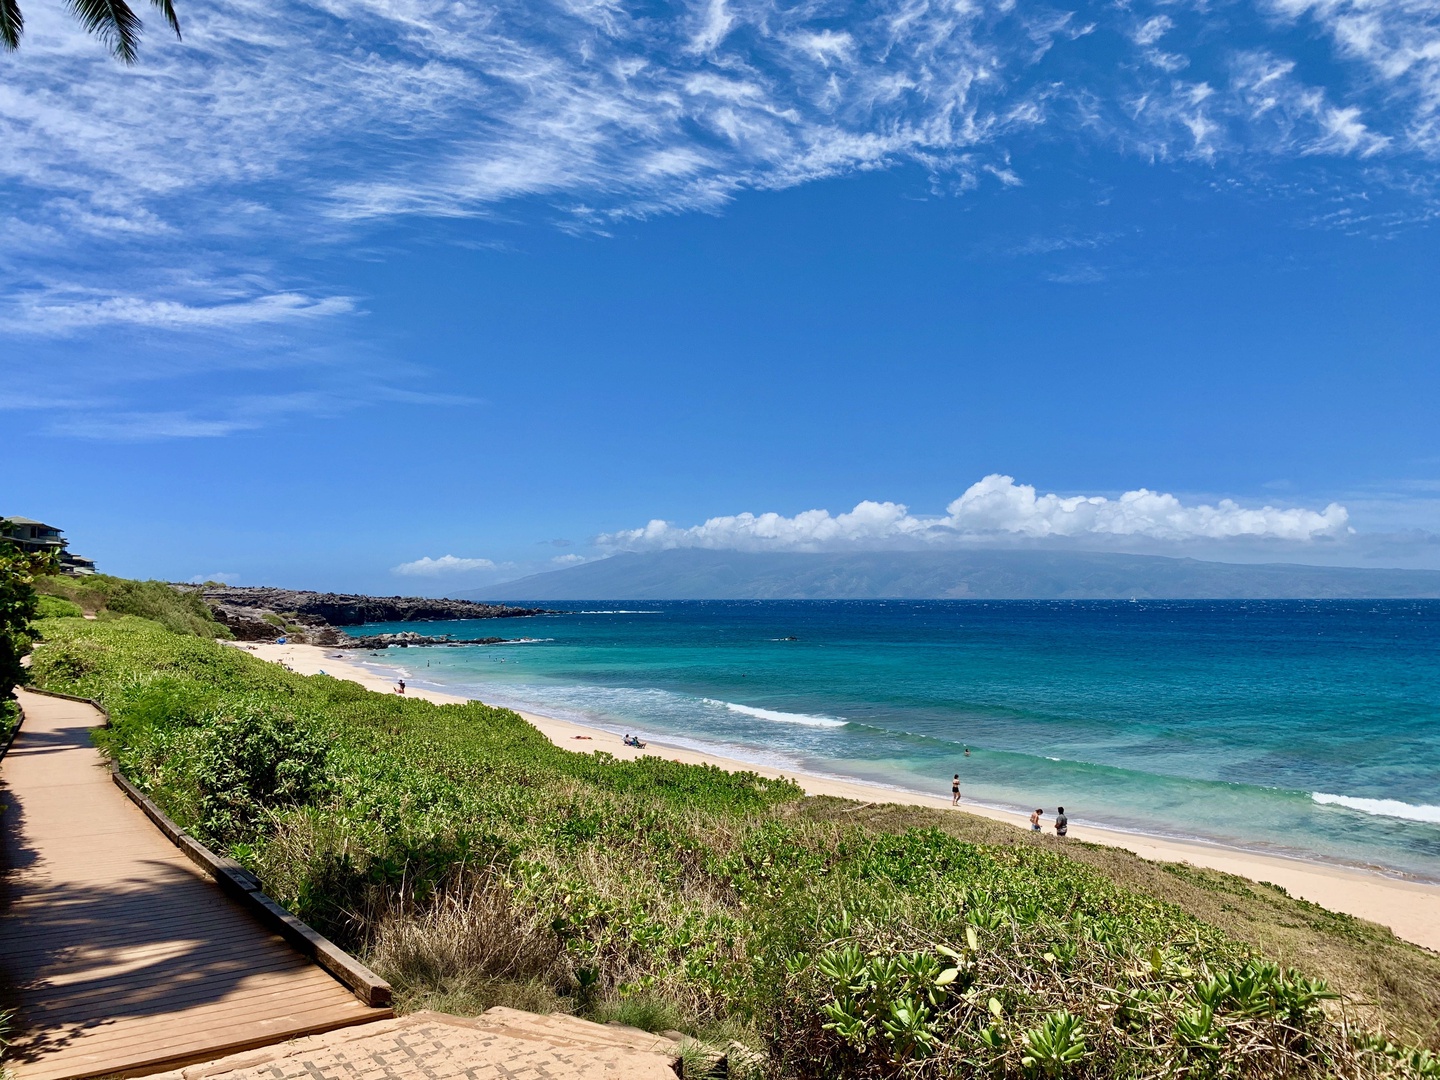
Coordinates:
<point>470,948</point>
<point>476,929</point>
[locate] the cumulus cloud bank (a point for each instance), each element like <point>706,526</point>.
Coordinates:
<point>995,507</point>
<point>446,564</point>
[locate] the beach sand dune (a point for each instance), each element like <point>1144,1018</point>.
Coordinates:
<point>1410,909</point>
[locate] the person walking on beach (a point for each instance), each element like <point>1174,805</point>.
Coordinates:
<point>1062,823</point>
<point>400,687</point>
<point>955,790</point>
<point>1035,819</point>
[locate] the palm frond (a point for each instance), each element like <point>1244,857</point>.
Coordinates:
<point>12,23</point>
<point>168,10</point>
<point>112,22</point>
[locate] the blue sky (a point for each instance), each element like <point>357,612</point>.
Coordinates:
<point>324,297</point>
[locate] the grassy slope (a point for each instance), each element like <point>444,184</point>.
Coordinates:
<point>1400,982</point>
<point>183,612</point>
<point>475,862</point>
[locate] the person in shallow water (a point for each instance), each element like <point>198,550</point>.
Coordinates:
<point>955,790</point>
<point>1035,819</point>
<point>1062,823</point>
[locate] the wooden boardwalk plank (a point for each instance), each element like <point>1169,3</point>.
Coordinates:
<point>123,957</point>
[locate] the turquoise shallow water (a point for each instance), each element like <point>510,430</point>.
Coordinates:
<point>1308,728</point>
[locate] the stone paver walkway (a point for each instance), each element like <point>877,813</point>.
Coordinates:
<point>503,1044</point>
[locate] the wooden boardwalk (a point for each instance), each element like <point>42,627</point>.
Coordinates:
<point>121,956</point>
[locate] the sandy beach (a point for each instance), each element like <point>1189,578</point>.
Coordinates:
<point>1410,909</point>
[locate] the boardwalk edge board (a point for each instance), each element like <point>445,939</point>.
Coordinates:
<point>240,883</point>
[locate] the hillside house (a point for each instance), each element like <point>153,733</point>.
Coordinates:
<point>30,535</point>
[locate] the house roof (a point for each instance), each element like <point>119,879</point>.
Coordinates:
<point>27,521</point>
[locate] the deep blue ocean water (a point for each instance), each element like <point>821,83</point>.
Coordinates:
<point>1308,728</point>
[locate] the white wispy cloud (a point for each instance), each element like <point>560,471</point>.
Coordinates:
<point>61,311</point>
<point>1397,42</point>
<point>601,107</point>
<point>148,192</point>
<point>138,426</point>
<point>102,418</point>
<point>1152,29</point>
<point>1296,117</point>
<point>995,507</point>
<point>446,564</point>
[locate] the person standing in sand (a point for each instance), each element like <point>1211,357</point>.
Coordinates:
<point>1062,823</point>
<point>955,790</point>
<point>1035,819</point>
<point>400,687</point>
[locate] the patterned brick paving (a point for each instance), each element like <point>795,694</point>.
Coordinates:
<point>501,1045</point>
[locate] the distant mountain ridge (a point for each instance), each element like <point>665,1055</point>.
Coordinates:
<point>982,574</point>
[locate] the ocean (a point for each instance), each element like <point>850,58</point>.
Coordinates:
<point>1302,728</point>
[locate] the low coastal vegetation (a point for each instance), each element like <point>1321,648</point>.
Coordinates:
<point>177,609</point>
<point>473,863</point>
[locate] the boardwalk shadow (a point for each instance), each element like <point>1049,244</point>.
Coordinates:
<point>15,852</point>
<point>36,743</point>
<point>84,956</point>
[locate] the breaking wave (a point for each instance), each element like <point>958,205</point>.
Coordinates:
<point>780,717</point>
<point>1382,807</point>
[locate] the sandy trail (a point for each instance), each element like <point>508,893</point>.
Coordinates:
<point>1410,909</point>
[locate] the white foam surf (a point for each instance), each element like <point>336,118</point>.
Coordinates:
<point>1382,807</point>
<point>780,717</point>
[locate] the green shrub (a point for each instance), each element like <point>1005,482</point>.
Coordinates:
<point>182,612</point>
<point>9,716</point>
<point>89,599</point>
<point>18,570</point>
<point>54,607</point>
<point>253,761</point>
<point>179,609</point>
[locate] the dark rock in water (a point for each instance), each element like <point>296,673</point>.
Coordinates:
<point>407,638</point>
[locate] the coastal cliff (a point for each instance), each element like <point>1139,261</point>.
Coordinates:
<point>259,613</point>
